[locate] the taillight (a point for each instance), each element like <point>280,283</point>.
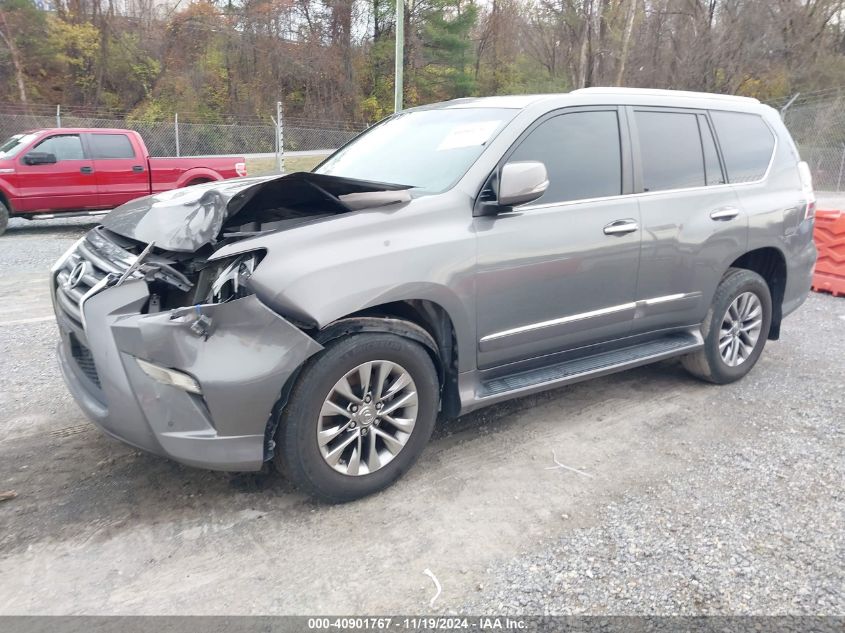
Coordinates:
<point>240,169</point>
<point>807,189</point>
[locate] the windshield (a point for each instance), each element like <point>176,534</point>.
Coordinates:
<point>14,144</point>
<point>426,149</point>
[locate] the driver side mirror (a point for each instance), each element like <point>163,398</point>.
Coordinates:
<point>39,158</point>
<point>522,182</point>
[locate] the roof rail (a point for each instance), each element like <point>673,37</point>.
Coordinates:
<point>654,92</point>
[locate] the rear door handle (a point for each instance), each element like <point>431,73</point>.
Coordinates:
<point>621,227</point>
<point>137,168</point>
<point>724,214</point>
<point>86,170</point>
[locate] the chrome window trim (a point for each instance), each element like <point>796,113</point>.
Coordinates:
<point>587,315</point>
<point>750,183</point>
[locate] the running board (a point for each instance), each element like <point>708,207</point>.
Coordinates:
<point>540,379</point>
<point>68,214</point>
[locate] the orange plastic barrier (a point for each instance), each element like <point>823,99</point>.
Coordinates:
<point>829,236</point>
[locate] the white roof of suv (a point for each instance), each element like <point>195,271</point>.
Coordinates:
<point>523,101</point>
<point>652,92</point>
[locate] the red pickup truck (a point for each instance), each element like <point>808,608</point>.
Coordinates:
<point>80,171</point>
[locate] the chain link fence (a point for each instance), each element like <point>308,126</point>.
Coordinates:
<point>192,137</point>
<point>817,125</point>
<point>816,122</point>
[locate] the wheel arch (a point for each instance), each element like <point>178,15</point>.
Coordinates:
<point>197,175</point>
<point>4,198</point>
<point>421,320</point>
<point>770,263</point>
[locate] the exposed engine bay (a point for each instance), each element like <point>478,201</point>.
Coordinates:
<point>170,239</point>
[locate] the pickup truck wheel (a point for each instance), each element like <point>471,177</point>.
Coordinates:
<point>735,329</point>
<point>358,417</point>
<point>4,218</point>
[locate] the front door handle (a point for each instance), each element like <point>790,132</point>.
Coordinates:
<point>724,214</point>
<point>86,170</point>
<point>137,168</point>
<point>621,227</point>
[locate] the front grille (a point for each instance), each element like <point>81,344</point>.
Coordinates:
<point>84,360</point>
<point>94,258</point>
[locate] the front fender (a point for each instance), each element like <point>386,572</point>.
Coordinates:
<point>7,193</point>
<point>321,272</point>
<point>306,303</point>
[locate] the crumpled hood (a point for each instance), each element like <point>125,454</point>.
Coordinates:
<point>185,220</point>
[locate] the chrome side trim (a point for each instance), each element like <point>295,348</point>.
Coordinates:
<point>667,298</point>
<point>588,315</point>
<point>559,321</point>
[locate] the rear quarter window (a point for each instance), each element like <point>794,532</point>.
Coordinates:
<point>747,144</point>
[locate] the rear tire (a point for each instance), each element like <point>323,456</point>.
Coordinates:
<point>4,218</point>
<point>735,329</point>
<point>344,433</point>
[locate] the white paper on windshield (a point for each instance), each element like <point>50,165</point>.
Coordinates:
<point>468,135</point>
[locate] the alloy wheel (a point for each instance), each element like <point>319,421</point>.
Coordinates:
<point>740,329</point>
<point>367,417</point>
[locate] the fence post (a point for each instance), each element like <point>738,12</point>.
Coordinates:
<point>176,130</point>
<point>841,167</point>
<point>280,139</point>
<point>58,115</point>
<point>787,106</point>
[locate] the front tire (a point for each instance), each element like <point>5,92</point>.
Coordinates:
<point>735,329</point>
<point>358,417</point>
<point>4,218</point>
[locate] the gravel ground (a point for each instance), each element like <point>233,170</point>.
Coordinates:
<point>696,499</point>
<point>754,527</point>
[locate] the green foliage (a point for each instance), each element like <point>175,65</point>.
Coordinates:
<point>444,28</point>
<point>213,58</point>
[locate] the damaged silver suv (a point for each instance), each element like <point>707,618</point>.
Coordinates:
<point>451,257</point>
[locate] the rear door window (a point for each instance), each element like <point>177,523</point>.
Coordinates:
<point>581,152</point>
<point>747,144</point>
<point>671,152</point>
<point>111,146</point>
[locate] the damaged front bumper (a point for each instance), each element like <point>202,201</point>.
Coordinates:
<point>239,362</point>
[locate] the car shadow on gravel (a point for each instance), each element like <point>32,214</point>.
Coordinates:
<point>663,377</point>
<point>50,228</point>
<point>99,485</point>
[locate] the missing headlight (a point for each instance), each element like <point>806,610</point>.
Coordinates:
<point>229,278</point>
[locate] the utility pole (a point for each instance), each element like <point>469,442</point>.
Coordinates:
<point>400,55</point>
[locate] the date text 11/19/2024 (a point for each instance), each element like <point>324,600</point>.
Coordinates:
<point>416,623</point>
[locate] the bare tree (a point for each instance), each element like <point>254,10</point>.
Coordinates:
<point>7,34</point>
